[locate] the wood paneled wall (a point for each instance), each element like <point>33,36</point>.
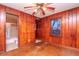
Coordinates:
<point>2,28</point>
<point>26,27</point>
<point>69,28</point>
<point>77,41</point>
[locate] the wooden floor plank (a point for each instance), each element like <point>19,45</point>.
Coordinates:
<point>42,50</point>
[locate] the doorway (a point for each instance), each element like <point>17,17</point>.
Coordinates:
<point>11,32</point>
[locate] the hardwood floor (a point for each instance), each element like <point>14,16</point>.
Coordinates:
<point>42,50</point>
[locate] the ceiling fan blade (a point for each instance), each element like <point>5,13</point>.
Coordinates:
<point>33,13</point>
<point>43,12</point>
<point>49,3</point>
<point>51,8</point>
<point>30,7</point>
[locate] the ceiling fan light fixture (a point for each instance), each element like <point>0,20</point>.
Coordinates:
<point>40,8</point>
<point>44,8</point>
<point>35,10</point>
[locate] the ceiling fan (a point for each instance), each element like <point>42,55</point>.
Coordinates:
<point>40,7</point>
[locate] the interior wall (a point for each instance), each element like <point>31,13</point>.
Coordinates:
<point>2,28</point>
<point>69,28</point>
<point>26,27</point>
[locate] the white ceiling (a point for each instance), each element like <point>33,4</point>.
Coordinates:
<point>58,7</point>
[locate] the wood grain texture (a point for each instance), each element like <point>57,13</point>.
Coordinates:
<point>42,50</point>
<point>27,29</point>
<point>69,28</point>
<point>2,28</point>
<point>77,41</point>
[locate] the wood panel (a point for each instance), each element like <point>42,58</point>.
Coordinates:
<point>2,28</point>
<point>74,27</point>
<point>22,30</point>
<point>77,41</point>
<point>69,28</point>
<point>27,29</point>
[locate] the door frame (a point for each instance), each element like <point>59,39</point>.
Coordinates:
<point>5,27</point>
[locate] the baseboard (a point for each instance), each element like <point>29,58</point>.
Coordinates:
<point>66,47</point>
